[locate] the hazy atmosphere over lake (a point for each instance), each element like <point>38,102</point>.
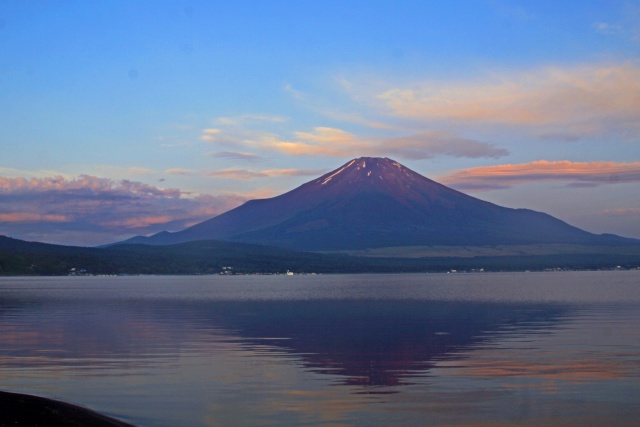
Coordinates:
<point>129,118</point>
<point>534,349</point>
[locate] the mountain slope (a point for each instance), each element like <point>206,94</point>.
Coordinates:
<point>376,202</point>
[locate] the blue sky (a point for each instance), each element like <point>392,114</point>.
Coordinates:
<point>130,117</point>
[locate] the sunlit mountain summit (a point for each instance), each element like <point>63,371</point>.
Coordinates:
<point>372,202</point>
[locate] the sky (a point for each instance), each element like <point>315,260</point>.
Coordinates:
<point>124,118</point>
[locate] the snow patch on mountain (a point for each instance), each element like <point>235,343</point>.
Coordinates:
<point>327,179</point>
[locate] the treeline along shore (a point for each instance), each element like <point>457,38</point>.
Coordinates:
<point>18,257</point>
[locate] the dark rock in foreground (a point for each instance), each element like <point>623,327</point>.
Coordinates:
<point>32,411</point>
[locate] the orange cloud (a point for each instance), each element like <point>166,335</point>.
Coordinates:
<point>323,141</point>
<point>579,100</point>
<point>32,217</point>
<point>578,174</point>
<point>333,142</point>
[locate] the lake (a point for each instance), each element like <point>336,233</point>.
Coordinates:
<point>533,349</point>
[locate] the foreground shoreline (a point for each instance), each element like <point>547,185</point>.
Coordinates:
<point>27,410</point>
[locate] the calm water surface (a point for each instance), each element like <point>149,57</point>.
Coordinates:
<point>532,349</point>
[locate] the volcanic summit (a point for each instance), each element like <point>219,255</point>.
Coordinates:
<point>373,202</point>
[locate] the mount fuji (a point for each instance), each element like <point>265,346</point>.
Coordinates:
<point>374,202</point>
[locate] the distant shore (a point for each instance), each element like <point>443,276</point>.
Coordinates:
<point>26,410</point>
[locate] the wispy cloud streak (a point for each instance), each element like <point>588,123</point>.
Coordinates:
<point>635,212</point>
<point>332,142</point>
<point>235,155</point>
<point>577,174</point>
<point>246,174</point>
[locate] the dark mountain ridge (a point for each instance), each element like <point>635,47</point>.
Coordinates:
<point>377,202</point>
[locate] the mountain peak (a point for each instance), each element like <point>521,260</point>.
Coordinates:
<point>364,167</point>
<point>365,176</point>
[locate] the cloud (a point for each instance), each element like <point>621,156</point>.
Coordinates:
<point>84,185</point>
<point>354,118</point>
<point>577,101</point>
<point>244,119</point>
<point>326,135</point>
<point>30,217</point>
<point>179,171</point>
<point>571,173</point>
<point>88,210</point>
<point>104,170</point>
<point>235,174</point>
<point>325,141</point>
<point>433,144</point>
<point>245,174</point>
<point>322,141</point>
<point>209,134</point>
<point>235,155</point>
<point>333,142</point>
<point>236,137</point>
<point>634,212</point>
<point>608,28</point>
<point>176,144</point>
<point>296,94</point>
<point>627,27</point>
<point>331,111</point>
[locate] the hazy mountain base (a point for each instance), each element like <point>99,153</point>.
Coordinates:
<point>490,251</point>
<point>211,257</point>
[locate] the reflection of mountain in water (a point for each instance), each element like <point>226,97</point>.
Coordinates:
<point>377,343</point>
<point>365,342</point>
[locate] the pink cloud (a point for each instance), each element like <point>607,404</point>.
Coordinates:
<point>84,184</point>
<point>571,173</point>
<point>89,210</point>
<point>179,171</point>
<point>23,217</point>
